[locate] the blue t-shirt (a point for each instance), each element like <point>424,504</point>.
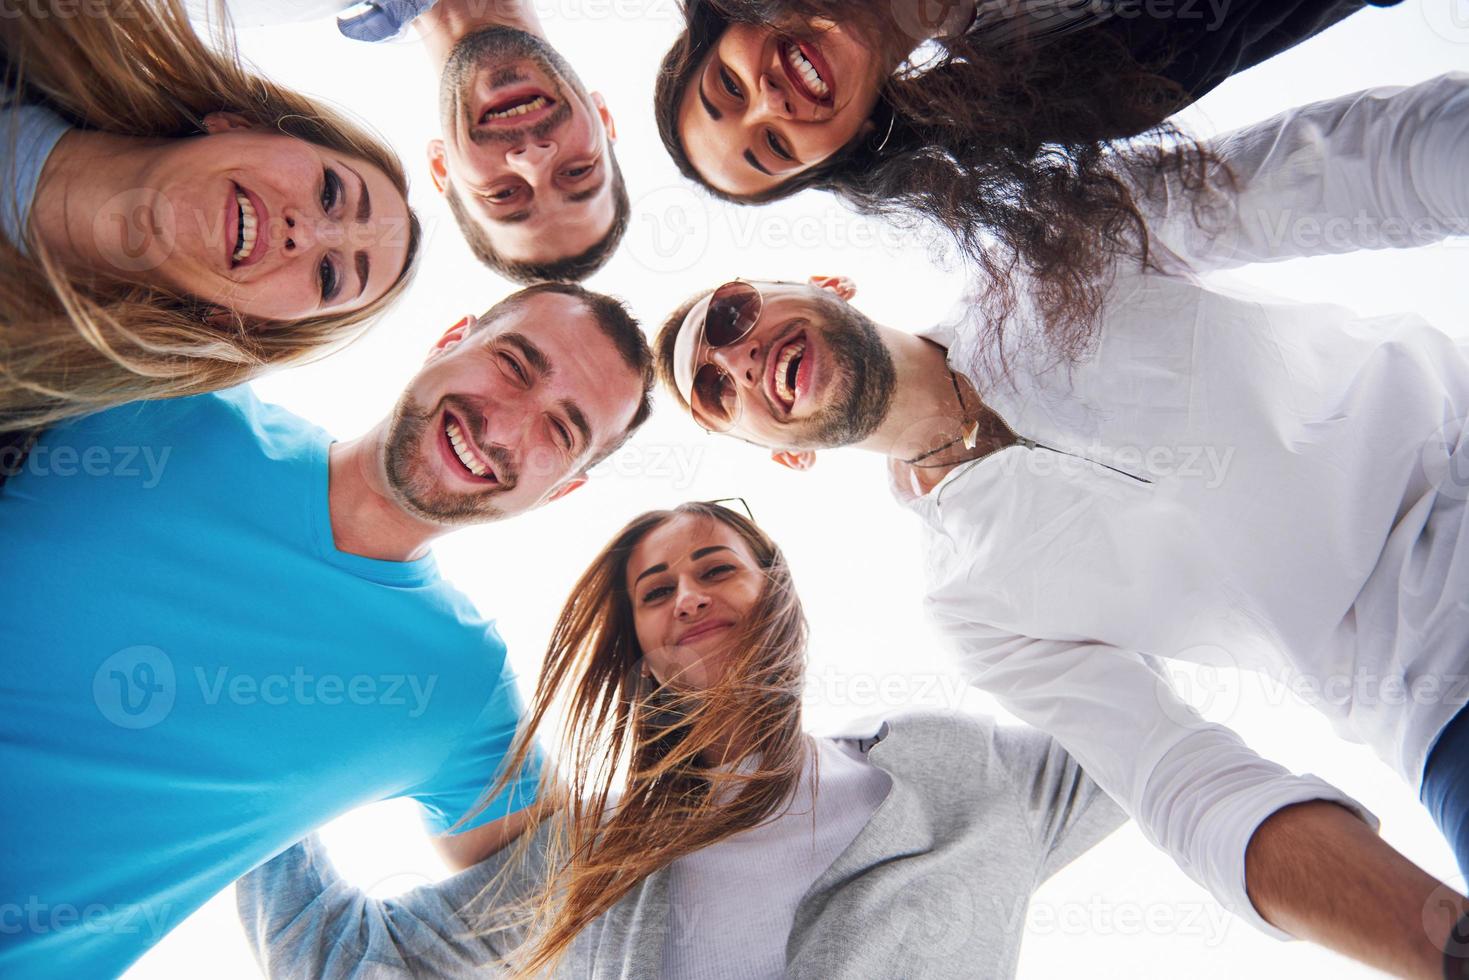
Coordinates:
<point>28,134</point>
<point>194,677</point>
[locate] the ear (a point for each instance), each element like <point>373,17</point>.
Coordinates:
<point>567,487</point>
<point>223,122</point>
<point>438,165</point>
<point>800,461</point>
<point>841,285</point>
<point>606,115</point>
<point>452,337</point>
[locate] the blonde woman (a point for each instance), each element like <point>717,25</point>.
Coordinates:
<point>705,834</point>
<point>172,223</point>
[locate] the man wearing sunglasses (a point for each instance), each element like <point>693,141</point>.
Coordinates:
<point>1218,479</point>
<point>224,628</point>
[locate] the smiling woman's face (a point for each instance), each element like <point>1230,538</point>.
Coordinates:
<point>693,582</point>
<point>264,224</point>
<point>764,107</point>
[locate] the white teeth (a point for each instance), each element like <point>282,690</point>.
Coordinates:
<point>539,102</point>
<point>461,449</point>
<point>247,227</point>
<point>806,70</point>
<point>784,389</point>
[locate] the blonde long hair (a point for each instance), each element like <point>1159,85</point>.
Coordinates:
<point>68,345</point>
<point>616,721</point>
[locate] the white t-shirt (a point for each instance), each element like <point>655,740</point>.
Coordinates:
<point>731,906</point>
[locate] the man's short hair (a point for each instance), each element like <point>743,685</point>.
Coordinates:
<point>572,268</point>
<point>666,341</point>
<point>618,325</point>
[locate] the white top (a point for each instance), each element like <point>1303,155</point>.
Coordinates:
<point>731,905</point>
<point>1284,495</point>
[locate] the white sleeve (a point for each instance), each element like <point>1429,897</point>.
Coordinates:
<point>1196,790</point>
<point>1384,168</point>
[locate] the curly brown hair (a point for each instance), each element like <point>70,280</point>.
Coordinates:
<point>1020,151</point>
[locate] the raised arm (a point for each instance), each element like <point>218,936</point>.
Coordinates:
<point>1199,793</point>
<point>1384,168</point>
<point>302,920</point>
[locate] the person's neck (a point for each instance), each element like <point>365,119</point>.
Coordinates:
<point>366,519</point>
<point>447,21</point>
<point>82,179</point>
<point>925,412</point>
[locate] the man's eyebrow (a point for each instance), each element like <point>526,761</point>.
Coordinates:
<point>750,159</point>
<point>587,193</point>
<point>529,351</point>
<point>714,113</point>
<point>663,566</point>
<point>578,420</point>
<point>363,267</point>
<point>510,219</point>
<point>364,200</point>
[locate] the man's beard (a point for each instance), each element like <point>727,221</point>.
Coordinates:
<point>415,487</point>
<point>500,48</point>
<point>862,382</point>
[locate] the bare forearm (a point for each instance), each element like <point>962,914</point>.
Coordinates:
<point>1319,873</point>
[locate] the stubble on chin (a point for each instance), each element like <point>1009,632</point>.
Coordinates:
<point>412,482</point>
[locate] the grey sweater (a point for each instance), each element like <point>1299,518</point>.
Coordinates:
<point>935,886</point>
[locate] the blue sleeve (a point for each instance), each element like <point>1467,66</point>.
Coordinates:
<point>32,133</point>
<point>469,771</point>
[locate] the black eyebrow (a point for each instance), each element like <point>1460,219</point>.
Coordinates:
<point>530,352</point>
<point>587,193</point>
<point>578,419</point>
<point>363,267</point>
<point>750,159</point>
<point>714,113</point>
<point>510,219</point>
<point>663,566</point>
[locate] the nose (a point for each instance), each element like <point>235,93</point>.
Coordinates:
<point>531,158</point>
<point>773,101</point>
<point>689,603</point>
<point>740,361</point>
<point>303,232</point>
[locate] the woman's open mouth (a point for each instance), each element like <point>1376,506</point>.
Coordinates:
<point>808,71</point>
<point>790,372</point>
<point>517,108</point>
<point>248,223</point>
<point>462,452</point>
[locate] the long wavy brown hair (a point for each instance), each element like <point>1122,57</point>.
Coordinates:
<point>1020,151</point>
<point>71,345</point>
<point>621,730</point>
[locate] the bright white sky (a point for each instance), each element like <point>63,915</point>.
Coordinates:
<point>1123,910</point>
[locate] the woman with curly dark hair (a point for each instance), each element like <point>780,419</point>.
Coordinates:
<point>991,118</point>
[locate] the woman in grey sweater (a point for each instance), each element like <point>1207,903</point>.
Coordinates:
<point>701,833</point>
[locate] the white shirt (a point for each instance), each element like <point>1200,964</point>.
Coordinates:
<point>1284,495</point>
<point>731,905</point>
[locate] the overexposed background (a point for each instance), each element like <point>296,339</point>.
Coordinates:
<point>1123,910</point>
